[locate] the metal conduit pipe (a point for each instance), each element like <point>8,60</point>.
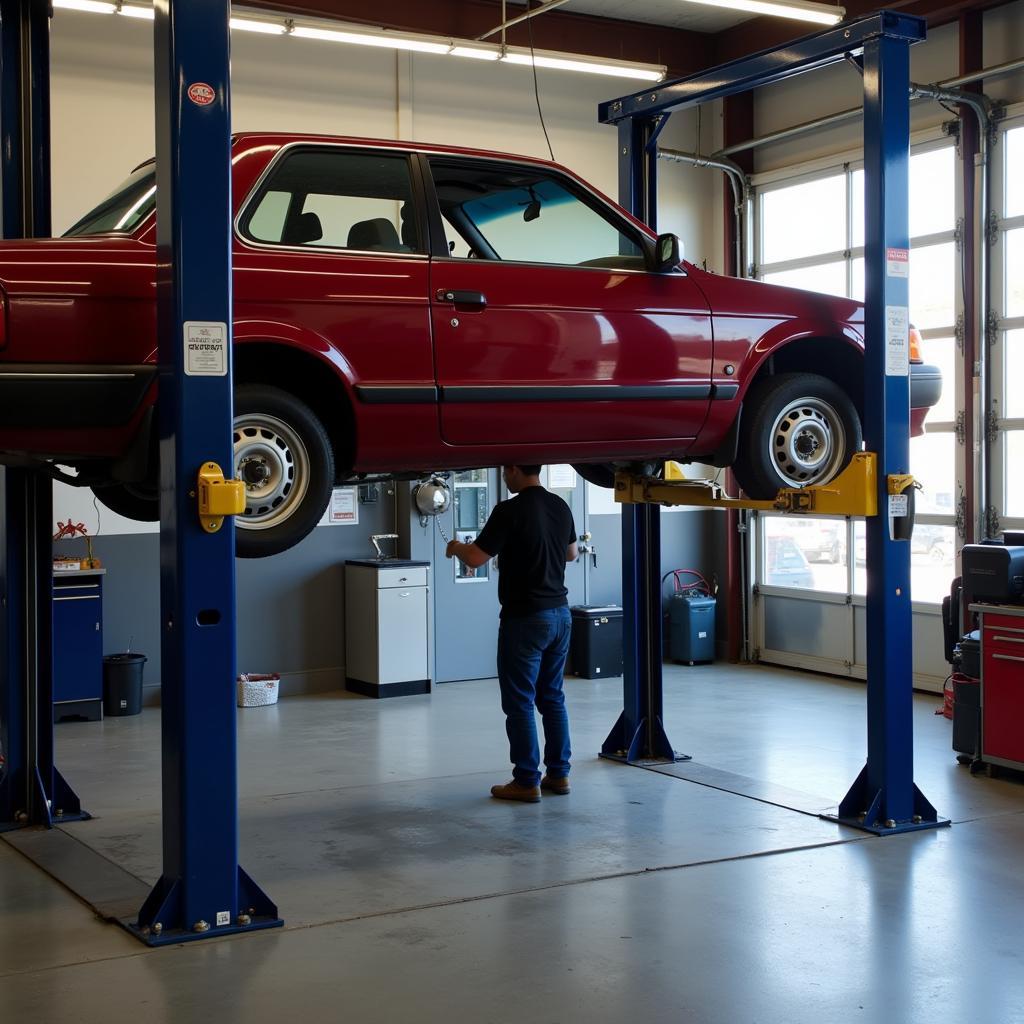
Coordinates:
<point>740,193</point>
<point>543,9</point>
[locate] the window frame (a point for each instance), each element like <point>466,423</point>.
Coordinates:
<point>247,209</point>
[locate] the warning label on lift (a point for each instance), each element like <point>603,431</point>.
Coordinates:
<point>206,348</point>
<point>897,262</point>
<point>897,341</point>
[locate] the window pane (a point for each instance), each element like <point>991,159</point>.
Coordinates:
<point>1012,473</point>
<point>857,188</point>
<point>510,212</point>
<point>1013,403</point>
<point>932,551</point>
<point>860,547</point>
<point>1015,272</point>
<point>941,352</point>
<point>330,198</point>
<point>1014,172</point>
<point>806,554</point>
<point>933,463</point>
<point>829,278</point>
<point>932,192</point>
<point>787,230</point>
<point>932,286</point>
<point>857,288</point>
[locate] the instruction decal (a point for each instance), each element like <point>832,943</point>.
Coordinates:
<point>344,508</point>
<point>897,262</point>
<point>201,94</point>
<point>206,348</point>
<point>897,341</point>
<point>899,506</point>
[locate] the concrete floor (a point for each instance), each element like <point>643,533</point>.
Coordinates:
<point>409,895</point>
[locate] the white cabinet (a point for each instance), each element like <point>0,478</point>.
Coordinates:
<point>386,627</point>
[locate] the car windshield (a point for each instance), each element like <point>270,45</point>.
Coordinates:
<point>124,208</point>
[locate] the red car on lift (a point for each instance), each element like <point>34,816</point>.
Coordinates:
<point>400,309</point>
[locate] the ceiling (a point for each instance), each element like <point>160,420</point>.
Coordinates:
<point>693,17</point>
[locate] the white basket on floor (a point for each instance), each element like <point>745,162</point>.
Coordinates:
<point>257,690</point>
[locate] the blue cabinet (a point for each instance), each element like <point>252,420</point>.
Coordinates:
<point>78,645</point>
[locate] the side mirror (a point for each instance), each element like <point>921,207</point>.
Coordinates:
<point>668,251</point>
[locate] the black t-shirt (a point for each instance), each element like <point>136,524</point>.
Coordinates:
<point>530,533</point>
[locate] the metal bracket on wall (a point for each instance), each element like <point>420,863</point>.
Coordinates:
<point>960,332</point>
<point>992,228</point>
<point>993,425</point>
<point>992,524</point>
<point>991,328</point>
<point>961,427</point>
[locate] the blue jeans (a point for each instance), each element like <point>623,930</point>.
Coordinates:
<point>531,660</point>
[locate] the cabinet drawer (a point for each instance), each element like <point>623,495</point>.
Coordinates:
<point>1002,696</point>
<point>402,576</point>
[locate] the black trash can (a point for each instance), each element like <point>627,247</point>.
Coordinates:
<point>122,684</point>
<point>596,645</point>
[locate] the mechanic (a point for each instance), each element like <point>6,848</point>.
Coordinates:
<point>533,536</point>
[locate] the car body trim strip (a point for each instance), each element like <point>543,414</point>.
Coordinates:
<point>396,394</point>
<point>574,393</point>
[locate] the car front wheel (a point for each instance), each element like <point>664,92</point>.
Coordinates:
<point>798,429</point>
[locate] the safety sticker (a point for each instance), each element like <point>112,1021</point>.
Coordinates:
<point>897,262</point>
<point>899,506</point>
<point>206,349</point>
<point>223,918</point>
<point>897,341</point>
<point>201,94</point>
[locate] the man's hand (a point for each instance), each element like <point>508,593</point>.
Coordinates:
<point>450,551</point>
<point>468,554</point>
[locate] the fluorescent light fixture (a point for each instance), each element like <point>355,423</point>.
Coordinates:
<point>388,40</point>
<point>587,65</point>
<point>800,10</point>
<point>268,28</point>
<point>133,11</point>
<point>475,52</point>
<point>92,6</point>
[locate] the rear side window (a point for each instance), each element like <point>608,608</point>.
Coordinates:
<point>336,199</point>
<point>526,214</point>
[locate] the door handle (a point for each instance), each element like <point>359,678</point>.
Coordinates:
<point>466,301</point>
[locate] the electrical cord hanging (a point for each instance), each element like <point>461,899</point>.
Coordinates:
<point>536,88</point>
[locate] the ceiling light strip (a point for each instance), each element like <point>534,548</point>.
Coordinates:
<point>335,32</point>
<point>800,10</point>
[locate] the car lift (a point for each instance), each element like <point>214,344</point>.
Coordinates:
<point>203,892</point>
<point>883,799</point>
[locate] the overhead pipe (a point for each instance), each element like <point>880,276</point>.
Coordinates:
<point>507,24</point>
<point>740,193</point>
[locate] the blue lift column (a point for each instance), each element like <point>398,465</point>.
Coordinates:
<point>639,734</point>
<point>884,798</point>
<point>203,891</point>
<point>32,790</point>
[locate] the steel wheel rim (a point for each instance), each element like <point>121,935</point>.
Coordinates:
<point>808,442</point>
<point>272,459</point>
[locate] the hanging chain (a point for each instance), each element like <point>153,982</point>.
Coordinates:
<point>440,530</point>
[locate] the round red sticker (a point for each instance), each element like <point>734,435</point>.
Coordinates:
<point>201,94</point>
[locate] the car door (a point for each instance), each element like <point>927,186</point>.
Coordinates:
<point>332,246</point>
<point>547,327</point>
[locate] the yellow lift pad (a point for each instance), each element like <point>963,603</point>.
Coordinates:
<point>218,497</point>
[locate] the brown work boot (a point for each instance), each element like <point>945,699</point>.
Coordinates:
<point>558,786</point>
<point>514,791</point>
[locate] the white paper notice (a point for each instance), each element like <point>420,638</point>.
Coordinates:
<point>897,341</point>
<point>561,478</point>
<point>344,510</point>
<point>899,506</point>
<point>206,348</point>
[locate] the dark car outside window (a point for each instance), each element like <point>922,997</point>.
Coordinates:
<point>336,199</point>
<point>128,205</point>
<point>528,215</point>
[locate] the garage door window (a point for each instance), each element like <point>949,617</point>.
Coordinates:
<point>330,198</point>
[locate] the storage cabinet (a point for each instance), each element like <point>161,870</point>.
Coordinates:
<point>386,627</point>
<point>78,645</point>
<point>1002,684</point>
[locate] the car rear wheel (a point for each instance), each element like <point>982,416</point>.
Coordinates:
<point>283,456</point>
<point>797,429</point>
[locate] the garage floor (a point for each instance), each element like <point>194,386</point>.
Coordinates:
<point>409,895</point>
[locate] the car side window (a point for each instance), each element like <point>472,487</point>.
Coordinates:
<point>336,199</point>
<point>497,211</point>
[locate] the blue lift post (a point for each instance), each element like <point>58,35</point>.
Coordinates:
<point>639,734</point>
<point>32,790</point>
<point>203,891</point>
<point>884,798</point>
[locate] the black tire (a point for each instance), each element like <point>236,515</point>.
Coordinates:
<point>283,453</point>
<point>137,502</point>
<point>797,429</point>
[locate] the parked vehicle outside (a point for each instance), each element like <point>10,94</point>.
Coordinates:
<point>785,564</point>
<point>403,308</point>
<point>821,540</point>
